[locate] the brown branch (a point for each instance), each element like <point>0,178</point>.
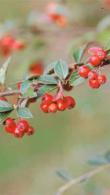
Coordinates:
<point>81,178</point>
<point>9,93</point>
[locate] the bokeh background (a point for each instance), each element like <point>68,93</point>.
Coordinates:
<point>63,142</point>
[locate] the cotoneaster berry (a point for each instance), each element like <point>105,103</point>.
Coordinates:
<point>18,129</point>
<point>30,131</point>
<point>92,75</point>
<point>61,104</point>
<point>44,106</point>
<point>84,71</point>
<point>47,97</point>
<point>94,60</point>
<point>94,83</point>
<point>22,125</point>
<point>10,125</point>
<point>52,107</point>
<point>102,79</point>
<point>70,102</point>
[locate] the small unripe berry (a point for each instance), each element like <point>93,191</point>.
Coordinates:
<point>94,83</point>
<point>84,71</point>
<point>102,79</point>
<point>52,107</point>
<point>61,104</point>
<point>70,102</point>
<point>94,60</point>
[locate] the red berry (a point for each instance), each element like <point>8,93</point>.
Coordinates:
<point>36,68</point>
<point>30,131</point>
<point>94,50</point>
<point>10,125</point>
<point>94,83</point>
<point>94,60</point>
<point>7,41</point>
<point>61,104</point>
<point>18,45</point>
<point>45,105</point>
<point>22,125</point>
<point>70,102</point>
<point>3,99</point>
<point>52,107</point>
<point>47,97</point>
<point>101,54</point>
<point>18,133</point>
<point>102,79</point>
<point>84,71</point>
<point>92,75</point>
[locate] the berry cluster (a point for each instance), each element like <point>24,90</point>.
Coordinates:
<point>97,56</point>
<point>18,129</point>
<point>95,79</point>
<point>8,44</point>
<point>50,105</point>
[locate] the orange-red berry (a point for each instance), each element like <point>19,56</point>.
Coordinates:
<point>95,60</point>
<point>102,79</point>
<point>84,71</point>
<point>52,107</point>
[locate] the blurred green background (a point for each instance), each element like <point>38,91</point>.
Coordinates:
<point>64,141</point>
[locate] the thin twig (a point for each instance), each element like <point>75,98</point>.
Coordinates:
<point>9,93</point>
<point>81,178</point>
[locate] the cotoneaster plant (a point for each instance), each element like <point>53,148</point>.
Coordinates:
<point>57,77</point>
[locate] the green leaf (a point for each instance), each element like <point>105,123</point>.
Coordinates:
<point>63,174</point>
<point>47,79</point>
<point>24,113</point>
<point>98,160</point>
<point>107,156</point>
<point>30,93</point>
<point>50,66</point>
<point>3,116</point>
<point>75,80</point>
<point>78,54</point>
<point>5,106</point>
<point>24,86</point>
<point>3,70</point>
<point>45,89</point>
<point>61,69</point>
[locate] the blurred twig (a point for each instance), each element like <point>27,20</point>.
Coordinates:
<point>81,178</point>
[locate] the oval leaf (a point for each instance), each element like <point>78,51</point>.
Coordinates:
<point>61,69</point>
<point>47,79</point>
<point>5,106</point>
<point>78,54</point>
<point>3,70</point>
<point>45,89</point>
<point>24,86</point>
<point>24,113</point>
